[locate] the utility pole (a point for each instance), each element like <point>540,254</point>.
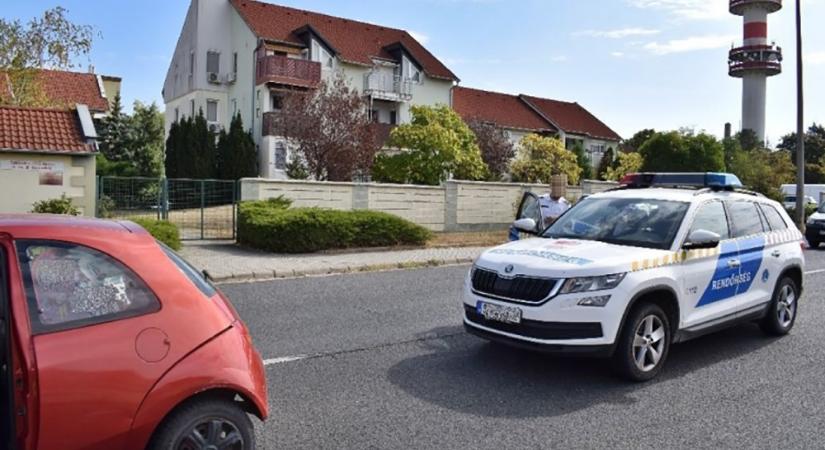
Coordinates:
<point>800,126</point>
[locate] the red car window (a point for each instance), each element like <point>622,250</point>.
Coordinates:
<point>69,286</point>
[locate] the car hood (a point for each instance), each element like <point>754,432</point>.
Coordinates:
<point>817,216</point>
<point>565,258</point>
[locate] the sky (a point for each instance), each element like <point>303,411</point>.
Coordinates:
<point>635,64</point>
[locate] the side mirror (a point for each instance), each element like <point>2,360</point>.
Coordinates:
<point>206,275</point>
<point>526,225</point>
<point>702,239</point>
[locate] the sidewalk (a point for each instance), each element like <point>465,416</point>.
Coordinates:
<point>227,262</point>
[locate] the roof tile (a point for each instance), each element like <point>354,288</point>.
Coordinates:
<point>67,89</point>
<point>42,130</point>
<point>572,118</point>
<point>504,110</point>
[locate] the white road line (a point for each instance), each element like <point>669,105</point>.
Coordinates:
<point>284,359</point>
<point>814,272</point>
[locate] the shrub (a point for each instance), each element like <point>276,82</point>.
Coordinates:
<point>162,230</point>
<point>267,225</point>
<point>62,205</point>
<point>809,210</point>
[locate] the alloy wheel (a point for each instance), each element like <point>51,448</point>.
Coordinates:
<point>649,343</point>
<point>212,434</point>
<point>786,306</point>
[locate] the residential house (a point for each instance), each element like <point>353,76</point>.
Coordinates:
<point>520,115</point>
<point>45,153</point>
<point>241,56</point>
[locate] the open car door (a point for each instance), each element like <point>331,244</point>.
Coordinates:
<point>530,208</point>
<point>7,434</point>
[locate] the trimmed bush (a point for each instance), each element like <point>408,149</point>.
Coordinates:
<point>162,230</point>
<point>267,225</point>
<point>62,205</point>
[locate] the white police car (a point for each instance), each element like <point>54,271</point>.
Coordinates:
<point>627,272</point>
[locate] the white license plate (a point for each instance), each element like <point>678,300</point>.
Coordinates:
<point>506,314</point>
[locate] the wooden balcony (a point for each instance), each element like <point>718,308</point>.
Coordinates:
<point>738,6</point>
<point>281,70</point>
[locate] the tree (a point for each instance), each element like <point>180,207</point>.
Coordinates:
<point>114,131</point>
<point>583,160</point>
<point>635,143</point>
<point>236,154</point>
<point>144,140</point>
<point>49,41</point>
<point>542,157</point>
<point>330,129</point>
<point>608,160</point>
<point>814,152</point>
<point>496,148</point>
<point>199,161</point>
<point>625,163</point>
<point>759,169</point>
<point>435,144</point>
<point>682,152</point>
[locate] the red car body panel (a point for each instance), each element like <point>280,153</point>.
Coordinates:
<point>109,385</point>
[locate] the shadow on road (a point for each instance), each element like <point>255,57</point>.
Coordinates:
<point>467,374</point>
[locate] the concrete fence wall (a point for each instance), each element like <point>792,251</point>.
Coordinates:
<point>453,206</point>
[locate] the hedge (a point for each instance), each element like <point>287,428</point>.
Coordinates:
<point>164,231</point>
<point>270,226</point>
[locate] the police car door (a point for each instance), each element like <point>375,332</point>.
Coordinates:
<point>530,208</point>
<point>706,274</point>
<point>749,230</point>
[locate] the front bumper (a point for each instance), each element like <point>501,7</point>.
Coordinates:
<point>814,232</point>
<point>596,351</point>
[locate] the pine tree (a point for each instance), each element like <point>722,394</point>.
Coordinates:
<point>114,134</point>
<point>237,156</point>
<point>173,149</point>
<point>605,163</point>
<point>583,161</point>
<point>199,150</point>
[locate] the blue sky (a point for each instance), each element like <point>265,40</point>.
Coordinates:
<point>634,63</point>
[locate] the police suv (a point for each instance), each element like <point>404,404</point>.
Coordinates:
<point>624,273</point>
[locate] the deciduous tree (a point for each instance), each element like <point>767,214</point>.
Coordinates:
<point>625,163</point>
<point>497,150</point>
<point>682,152</point>
<point>542,157</point>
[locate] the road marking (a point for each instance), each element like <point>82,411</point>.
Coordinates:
<point>814,272</point>
<point>284,359</point>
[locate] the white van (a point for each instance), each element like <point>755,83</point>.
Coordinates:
<point>812,194</point>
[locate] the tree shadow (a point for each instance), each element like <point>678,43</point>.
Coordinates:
<point>467,374</point>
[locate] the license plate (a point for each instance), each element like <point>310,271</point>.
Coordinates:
<point>822,232</point>
<point>505,314</point>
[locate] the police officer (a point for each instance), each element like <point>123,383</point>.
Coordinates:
<point>552,204</point>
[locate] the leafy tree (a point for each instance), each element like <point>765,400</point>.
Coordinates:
<point>542,157</point>
<point>330,129</point>
<point>49,41</point>
<point>496,148</point>
<point>608,160</point>
<point>435,144</point>
<point>635,143</point>
<point>236,154</point>
<point>583,160</point>
<point>748,140</point>
<point>114,133</point>
<point>295,168</point>
<point>814,152</point>
<point>759,169</point>
<point>682,152</point>
<point>106,168</point>
<point>625,163</point>
<point>145,139</point>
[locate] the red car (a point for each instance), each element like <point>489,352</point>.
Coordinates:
<point>109,340</point>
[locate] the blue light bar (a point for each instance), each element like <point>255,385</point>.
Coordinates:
<point>714,180</point>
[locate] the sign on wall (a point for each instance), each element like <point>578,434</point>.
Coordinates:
<point>51,172</point>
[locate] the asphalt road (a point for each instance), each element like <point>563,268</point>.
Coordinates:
<point>380,361</point>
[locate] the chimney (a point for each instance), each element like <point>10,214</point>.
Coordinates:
<point>91,68</point>
<point>727,130</point>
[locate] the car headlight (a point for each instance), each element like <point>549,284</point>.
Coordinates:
<point>811,221</point>
<point>590,284</point>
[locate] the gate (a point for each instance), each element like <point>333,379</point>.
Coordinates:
<point>201,209</point>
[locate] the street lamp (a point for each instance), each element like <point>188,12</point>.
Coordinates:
<point>800,131</point>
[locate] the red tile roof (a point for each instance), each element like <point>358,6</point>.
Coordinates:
<point>42,130</point>
<point>355,42</point>
<point>571,118</point>
<point>67,89</point>
<point>505,110</point>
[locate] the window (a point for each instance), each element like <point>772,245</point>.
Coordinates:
<point>211,110</point>
<point>191,69</point>
<point>393,118</point>
<point>70,286</point>
<point>280,156</point>
<point>711,217</point>
<point>235,62</point>
<point>745,219</point>
<point>194,276</point>
<point>177,115</point>
<point>192,108</point>
<point>277,101</point>
<point>234,107</point>
<point>213,62</point>
<point>374,115</point>
<point>321,55</point>
<point>773,217</point>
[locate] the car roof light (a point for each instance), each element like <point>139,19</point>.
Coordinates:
<point>713,180</point>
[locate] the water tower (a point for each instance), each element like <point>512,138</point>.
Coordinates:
<point>755,60</point>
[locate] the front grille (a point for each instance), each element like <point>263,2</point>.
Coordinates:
<point>539,330</point>
<point>519,288</point>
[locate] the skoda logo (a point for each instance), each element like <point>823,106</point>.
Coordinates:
<point>509,268</point>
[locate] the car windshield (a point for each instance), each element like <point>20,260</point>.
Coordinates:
<point>623,221</point>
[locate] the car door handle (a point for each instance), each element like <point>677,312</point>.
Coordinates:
<point>734,263</point>
<point>776,254</point>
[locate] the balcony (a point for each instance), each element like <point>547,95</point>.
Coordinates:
<point>288,71</point>
<point>764,59</point>
<point>384,86</point>
<point>738,6</point>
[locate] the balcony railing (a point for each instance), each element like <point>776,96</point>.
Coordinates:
<point>755,58</point>
<point>387,87</point>
<point>738,6</point>
<point>288,71</point>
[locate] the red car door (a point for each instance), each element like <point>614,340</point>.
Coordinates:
<point>7,429</point>
<point>96,356</point>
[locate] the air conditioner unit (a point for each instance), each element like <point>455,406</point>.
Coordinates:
<point>213,77</point>
<point>215,127</point>
<point>231,77</point>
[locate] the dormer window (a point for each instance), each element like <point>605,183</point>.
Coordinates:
<point>322,55</point>
<point>410,71</point>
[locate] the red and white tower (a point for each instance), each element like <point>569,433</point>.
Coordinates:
<point>755,60</point>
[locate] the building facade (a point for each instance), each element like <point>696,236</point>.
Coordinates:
<point>242,57</point>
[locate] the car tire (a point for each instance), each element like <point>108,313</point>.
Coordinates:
<point>643,344</point>
<point>203,423</point>
<point>781,314</point>
<point>814,244</point>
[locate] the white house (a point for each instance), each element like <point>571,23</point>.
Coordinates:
<point>240,56</point>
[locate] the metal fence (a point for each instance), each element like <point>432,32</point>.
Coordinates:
<point>202,209</point>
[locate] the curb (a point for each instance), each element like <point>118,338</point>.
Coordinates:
<point>252,277</point>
